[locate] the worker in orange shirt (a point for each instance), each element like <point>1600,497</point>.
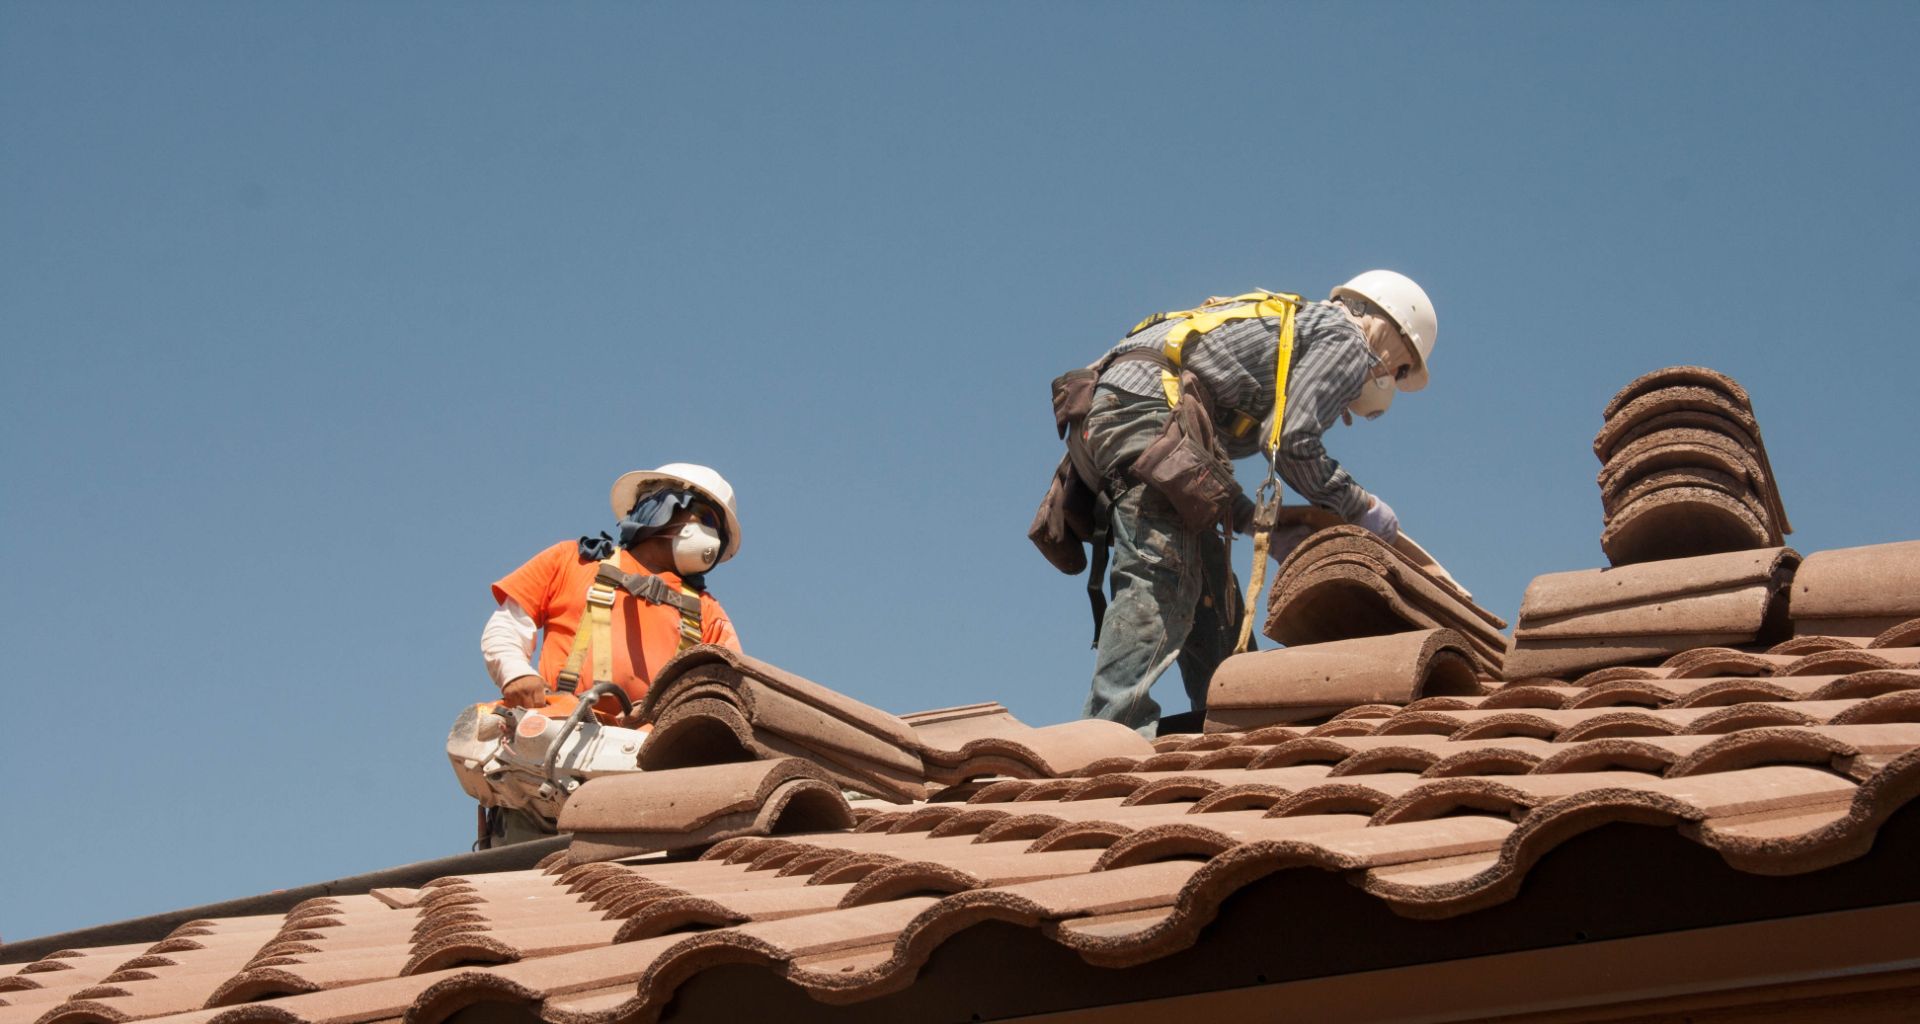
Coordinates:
<point>675,523</point>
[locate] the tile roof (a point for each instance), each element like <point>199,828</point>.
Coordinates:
<point>1437,810</point>
<point>1679,761</point>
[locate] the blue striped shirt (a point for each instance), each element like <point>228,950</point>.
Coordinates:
<point>1331,362</point>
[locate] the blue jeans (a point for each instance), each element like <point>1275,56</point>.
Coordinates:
<point>1167,584</point>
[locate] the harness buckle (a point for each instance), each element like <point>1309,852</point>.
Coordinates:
<point>600,596</point>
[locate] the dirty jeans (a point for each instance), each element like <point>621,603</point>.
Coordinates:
<point>1164,578</point>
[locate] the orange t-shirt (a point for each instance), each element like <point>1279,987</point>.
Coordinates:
<point>552,588</point>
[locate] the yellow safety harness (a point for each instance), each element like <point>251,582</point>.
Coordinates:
<point>598,634</point>
<point>1198,322</point>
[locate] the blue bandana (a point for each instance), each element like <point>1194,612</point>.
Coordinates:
<point>648,515</point>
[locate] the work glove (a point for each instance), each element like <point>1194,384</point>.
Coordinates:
<point>525,692</point>
<point>1281,540</point>
<point>1379,518</point>
<point>1243,514</point>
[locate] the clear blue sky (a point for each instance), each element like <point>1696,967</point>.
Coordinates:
<point>317,319</point>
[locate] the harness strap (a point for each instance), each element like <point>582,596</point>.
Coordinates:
<point>654,590</point>
<point>1200,321</point>
<point>596,631</point>
<point>1267,504</point>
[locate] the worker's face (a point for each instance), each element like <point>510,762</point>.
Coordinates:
<point>1386,341</point>
<point>698,512</point>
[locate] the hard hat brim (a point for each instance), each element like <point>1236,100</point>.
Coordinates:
<point>626,491</point>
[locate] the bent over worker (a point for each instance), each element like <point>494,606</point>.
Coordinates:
<point>675,524</point>
<point>1173,592</point>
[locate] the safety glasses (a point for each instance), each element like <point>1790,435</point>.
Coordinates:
<point>657,508</point>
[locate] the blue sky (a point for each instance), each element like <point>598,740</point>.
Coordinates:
<point>319,318</point>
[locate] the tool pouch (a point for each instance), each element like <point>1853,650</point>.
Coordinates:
<point>1064,522</point>
<point>1072,402</point>
<point>1066,519</point>
<point>1186,463</point>
<point>1073,398</point>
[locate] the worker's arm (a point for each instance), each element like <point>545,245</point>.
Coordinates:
<point>506,644</point>
<point>715,626</point>
<point>510,632</point>
<point>1323,381</point>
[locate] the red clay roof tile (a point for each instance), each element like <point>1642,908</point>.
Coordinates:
<point>1856,589</point>
<point>1313,681</point>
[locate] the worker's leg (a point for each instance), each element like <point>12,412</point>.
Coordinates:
<point>1155,569</point>
<point>1216,622</point>
<point>1156,585</point>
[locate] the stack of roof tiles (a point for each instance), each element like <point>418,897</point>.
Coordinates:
<point>712,705</point>
<point>1684,471</point>
<point>1343,582</point>
<point>1618,814</point>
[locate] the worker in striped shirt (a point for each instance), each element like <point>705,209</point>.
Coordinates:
<point>1371,337</point>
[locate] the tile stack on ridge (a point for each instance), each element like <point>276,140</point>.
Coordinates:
<point>1315,681</point>
<point>621,815</point>
<point>1782,785</point>
<point>1684,471</point>
<point>975,740</point>
<point>1343,582</point>
<point>1857,592</point>
<point>1572,622</point>
<point>711,705</point>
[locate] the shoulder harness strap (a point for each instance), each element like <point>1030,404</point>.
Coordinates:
<point>598,627</point>
<point>1199,321</point>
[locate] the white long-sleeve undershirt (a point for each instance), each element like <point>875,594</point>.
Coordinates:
<point>506,642</point>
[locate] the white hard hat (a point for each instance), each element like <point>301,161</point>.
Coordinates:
<point>701,479</point>
<point>1407,306</point>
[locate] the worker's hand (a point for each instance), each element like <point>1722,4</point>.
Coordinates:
<point>1281,540</point>
<point>1243,514</point>
<point>525,692</point>
<point>1379,518</point>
